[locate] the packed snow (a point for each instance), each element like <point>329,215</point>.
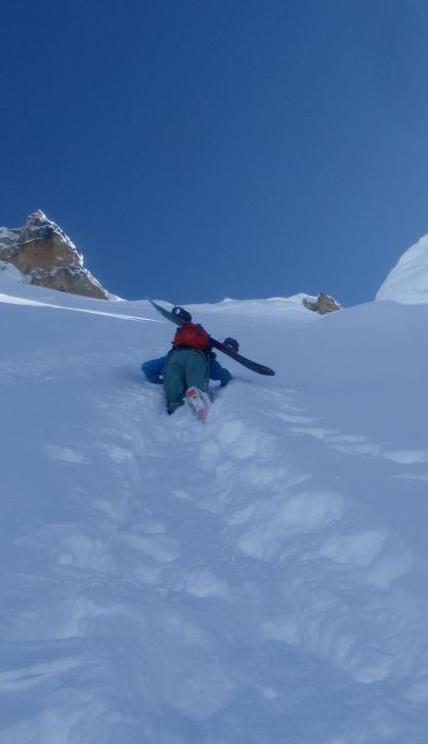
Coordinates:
<point>258,579</point>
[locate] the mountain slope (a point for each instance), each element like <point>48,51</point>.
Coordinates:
<point>407,282</point>
<point>259,579</point>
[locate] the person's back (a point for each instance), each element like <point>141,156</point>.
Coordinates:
<point>192,336</point>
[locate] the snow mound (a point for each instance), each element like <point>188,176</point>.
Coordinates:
<point>407,283</point>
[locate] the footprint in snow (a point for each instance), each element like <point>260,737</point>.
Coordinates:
<point>204,584</point>
<point>265,526</point>
<point>384,558</point>
<point>407,457</point>
<point>66,454</point>
<point>161,548</point>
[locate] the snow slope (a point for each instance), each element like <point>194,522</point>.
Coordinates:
<point>257,580</point>
<point>407,282</point>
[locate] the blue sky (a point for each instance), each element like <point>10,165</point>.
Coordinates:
<point>196,150</point>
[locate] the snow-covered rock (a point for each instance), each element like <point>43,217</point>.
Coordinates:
<point>322,304</point>
<point>408,281</point>
<point>46,255</point>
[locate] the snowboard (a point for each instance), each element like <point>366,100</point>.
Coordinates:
<point>261,369</point>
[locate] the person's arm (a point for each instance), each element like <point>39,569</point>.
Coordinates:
<point>153,370</point>
<point>217,372</point>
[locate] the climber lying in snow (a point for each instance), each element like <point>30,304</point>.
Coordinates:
<point>189,365</point>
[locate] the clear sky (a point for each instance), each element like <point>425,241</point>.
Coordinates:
<point>201,149</point>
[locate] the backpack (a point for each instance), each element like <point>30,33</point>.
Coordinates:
<point>191,336</point>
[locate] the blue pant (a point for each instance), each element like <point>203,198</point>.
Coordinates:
<point>185,368</point>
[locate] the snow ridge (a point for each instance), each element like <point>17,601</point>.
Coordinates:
<point>408,281</point>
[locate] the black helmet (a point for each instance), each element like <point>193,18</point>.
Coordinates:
<point>180,312</point>
<point>232,343</point>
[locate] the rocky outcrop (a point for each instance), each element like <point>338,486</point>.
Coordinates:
<point>323,304</point>
<point>47,256</point>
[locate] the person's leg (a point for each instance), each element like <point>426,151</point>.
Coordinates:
<point>196,370</point>
<point>174,381</point>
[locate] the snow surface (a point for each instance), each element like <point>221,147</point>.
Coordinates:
<point>408,281</point>
<point>259,579</point>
